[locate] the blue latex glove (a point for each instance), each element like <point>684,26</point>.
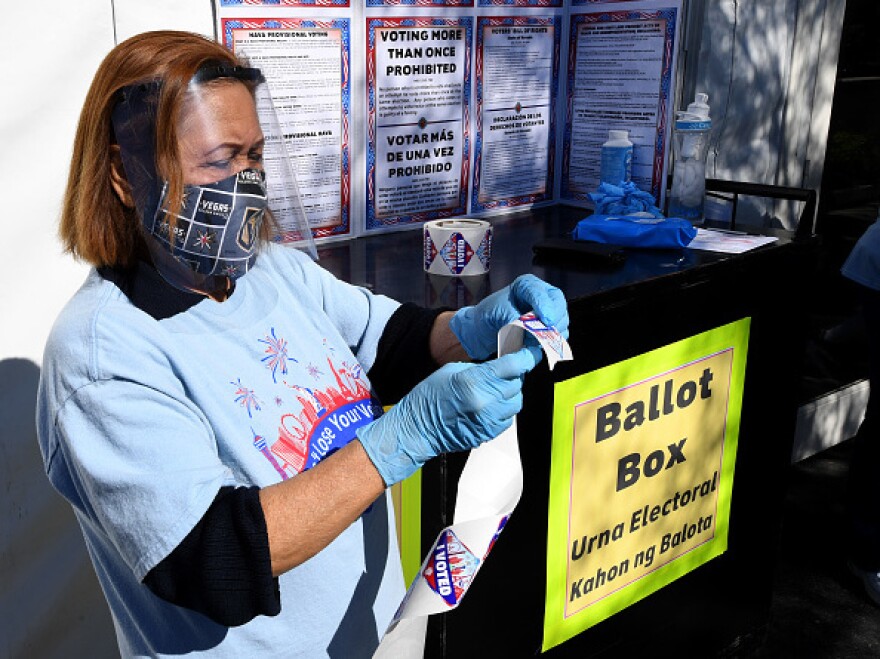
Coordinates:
<point>626,199</point>
<point>456,408</point>
<point>477,327</point>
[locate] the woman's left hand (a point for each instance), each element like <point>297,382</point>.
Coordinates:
<point>477,327</point>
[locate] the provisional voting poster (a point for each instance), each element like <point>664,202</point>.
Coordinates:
<point>418,114</point>
<point>284,3</point>
<point>590,3</point>
<point>517,64</point>
<point>641,475</point>
<point>520,3</point>
<point>420,3</point>
<point>620,75</point>
<point>306,63</point>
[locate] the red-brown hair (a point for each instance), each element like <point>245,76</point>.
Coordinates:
<point>95,225</point>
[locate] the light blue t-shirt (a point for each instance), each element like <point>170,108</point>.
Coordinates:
<point>141,422</point>
<point>863,263</point>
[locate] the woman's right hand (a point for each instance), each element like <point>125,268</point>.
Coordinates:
<point>456,408</point>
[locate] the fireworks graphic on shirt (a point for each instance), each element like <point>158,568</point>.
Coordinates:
<point>204,240</point>
<point>276,354</point>
<point>314,371</point>
<point>246,398</point>
<point>326,420</point>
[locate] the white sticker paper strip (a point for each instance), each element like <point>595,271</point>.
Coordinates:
<point>489,488</point>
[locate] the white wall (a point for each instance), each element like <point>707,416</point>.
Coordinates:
<point>769,69</point>
<point>50,602</point>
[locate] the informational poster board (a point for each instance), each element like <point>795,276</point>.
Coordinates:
<point>520,3</point>
<point>621,66</point>
<point>420,3</point>
<point>307,64</point>
<point>418,119</point>
<point>517,65</point>
<point>642,469</point>
<point>284,3</point>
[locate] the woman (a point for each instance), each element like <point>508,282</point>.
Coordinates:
<point>208,401</point>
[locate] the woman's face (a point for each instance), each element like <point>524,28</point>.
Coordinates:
<point>219,133</point>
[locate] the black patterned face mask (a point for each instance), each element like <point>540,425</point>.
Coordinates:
<point>216,233</point>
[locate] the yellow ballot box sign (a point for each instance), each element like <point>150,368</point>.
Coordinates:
<point>641,475</point>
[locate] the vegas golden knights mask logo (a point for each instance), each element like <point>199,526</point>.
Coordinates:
<point>250,228</point>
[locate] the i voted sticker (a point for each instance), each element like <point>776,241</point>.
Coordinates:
<point>451,568</point>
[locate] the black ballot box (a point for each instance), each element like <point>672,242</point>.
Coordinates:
<point>683,564</point>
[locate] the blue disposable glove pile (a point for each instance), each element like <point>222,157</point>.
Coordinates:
<point>456,408</point>
<point>477,327</point>
<point>624,199</point>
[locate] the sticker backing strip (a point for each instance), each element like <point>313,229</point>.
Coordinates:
<point>489,489</point>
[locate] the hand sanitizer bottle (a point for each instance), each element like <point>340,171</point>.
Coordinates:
<point>616,158</point>
<point>690,146</point>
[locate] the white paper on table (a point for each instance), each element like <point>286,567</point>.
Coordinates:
<point>715,240</point>
<point>489,488</point>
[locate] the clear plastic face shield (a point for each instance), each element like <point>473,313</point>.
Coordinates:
<point>234,166</point>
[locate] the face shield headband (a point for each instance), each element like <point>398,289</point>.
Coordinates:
<point>229,146</point>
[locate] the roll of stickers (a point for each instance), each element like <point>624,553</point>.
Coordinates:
<point>488,490</point>
<point>457,248</point>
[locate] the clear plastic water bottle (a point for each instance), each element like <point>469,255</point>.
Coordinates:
<point>615,166</point>
<point>690,145</point>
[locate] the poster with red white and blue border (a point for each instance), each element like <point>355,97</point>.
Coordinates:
<point>420,3</point>
<point>307,64</point>
<point>520,3</point>
<point>515,137</point>
<point>621,72</point>
<point>418,119</point>
<point>284,3</point>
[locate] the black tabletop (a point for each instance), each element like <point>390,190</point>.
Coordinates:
<point>392,263</point>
